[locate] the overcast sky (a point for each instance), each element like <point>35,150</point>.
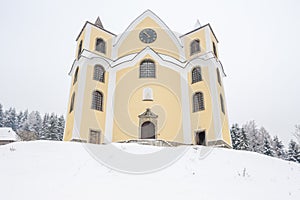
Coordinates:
<point>258,49</point>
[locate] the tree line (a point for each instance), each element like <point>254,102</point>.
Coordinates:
<point>249,137</point>
<point>33,126</point>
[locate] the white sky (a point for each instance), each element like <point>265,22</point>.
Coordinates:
<point>258,49</point>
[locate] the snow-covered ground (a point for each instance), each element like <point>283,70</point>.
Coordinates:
<point>65,170</point>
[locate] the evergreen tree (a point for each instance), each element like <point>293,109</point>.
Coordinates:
<point>21,118</point>
<point>234,135</point>
<point>45,127</point>
<point>20,121</point>
<point>293,153</point>
<point>53,128</point>
<point>38,124</point>
<point>10,119</point>
<point>254,136</point>
<point>242,140</point>
<point>267,148</point>
<point>278,148</point>
<point>1,116</point>
<point>61,127</point>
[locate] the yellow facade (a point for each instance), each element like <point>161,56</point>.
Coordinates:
<point>146,90</point>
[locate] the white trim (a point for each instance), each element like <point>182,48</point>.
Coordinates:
<point>87,37</point>
<point>208,39</point>
<point>109,118</point>
<point>213,86</point>
<point>186,112</point>
<point>215,100</point>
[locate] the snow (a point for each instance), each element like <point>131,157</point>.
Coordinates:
<point>67,170</point>
<point>7,134</point>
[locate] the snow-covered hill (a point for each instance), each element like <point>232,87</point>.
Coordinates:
<point>66,170</point>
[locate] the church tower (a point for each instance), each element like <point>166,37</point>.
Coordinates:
<point>147,83</point>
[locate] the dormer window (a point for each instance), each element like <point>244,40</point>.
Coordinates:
<point>195,46</point>
<point>100,45</point>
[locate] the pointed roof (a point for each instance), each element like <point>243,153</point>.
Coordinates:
<point>98,23</point>
<point>152,15</point>
<point>197,25</point>
<point>148,114</point>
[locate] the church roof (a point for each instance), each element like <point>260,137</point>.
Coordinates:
<point>7,134</point>
<point>97,26</point>
<point>201,28</point>
<point>98,23</point>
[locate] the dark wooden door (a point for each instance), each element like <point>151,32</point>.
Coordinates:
<point>148,130</point>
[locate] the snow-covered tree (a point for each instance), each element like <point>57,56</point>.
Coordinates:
<point>61,127</point>
<point>22,117</point>
<point>32,125</point>
<point>53,128</point>
<point>268,148</point>
<point>278,148</point>
<point>293,153</point>
<point>234,135</point>
<point>254,136</point>
<point>45,127</point>
<point>10,119</point>
<point>243,141</point>
<point>240,140</point>
<point>1,116</point>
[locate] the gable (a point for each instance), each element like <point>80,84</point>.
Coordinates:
<point>166,42</point>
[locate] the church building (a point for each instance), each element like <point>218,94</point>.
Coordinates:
<point>147,83</point>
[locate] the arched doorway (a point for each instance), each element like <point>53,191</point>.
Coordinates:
<point>148,130</point>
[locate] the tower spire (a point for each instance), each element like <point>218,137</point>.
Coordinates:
<point>98,23</point>
<point>197,25</point>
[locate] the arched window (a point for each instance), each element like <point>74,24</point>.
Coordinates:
<point>198,102</point>
<point>72,102</point>
<point>99,73</point>
<point>195,46</point>
<point>97,101</point>
<point>147,69</point>
<point>196,75</point>
<point>76,75</point>
<point>222,104</point>
<point>100,45</point>
<point>79,49</point>
<point>219,77</point>
<point>215,49</point>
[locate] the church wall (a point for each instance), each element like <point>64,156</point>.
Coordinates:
<point>70,116</point>
<point>81,38</point>
<point>93,119</point>
<point>98,33</point>
<point>202,120</point>
<point>166,103</point>
<point>163,43</point>
<point>200,34</point>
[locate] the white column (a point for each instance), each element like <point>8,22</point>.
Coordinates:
<point>186,117</point>
<point>110,106</point>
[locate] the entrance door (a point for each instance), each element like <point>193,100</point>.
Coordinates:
<point>148,130</point>
<point>200,138</point>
